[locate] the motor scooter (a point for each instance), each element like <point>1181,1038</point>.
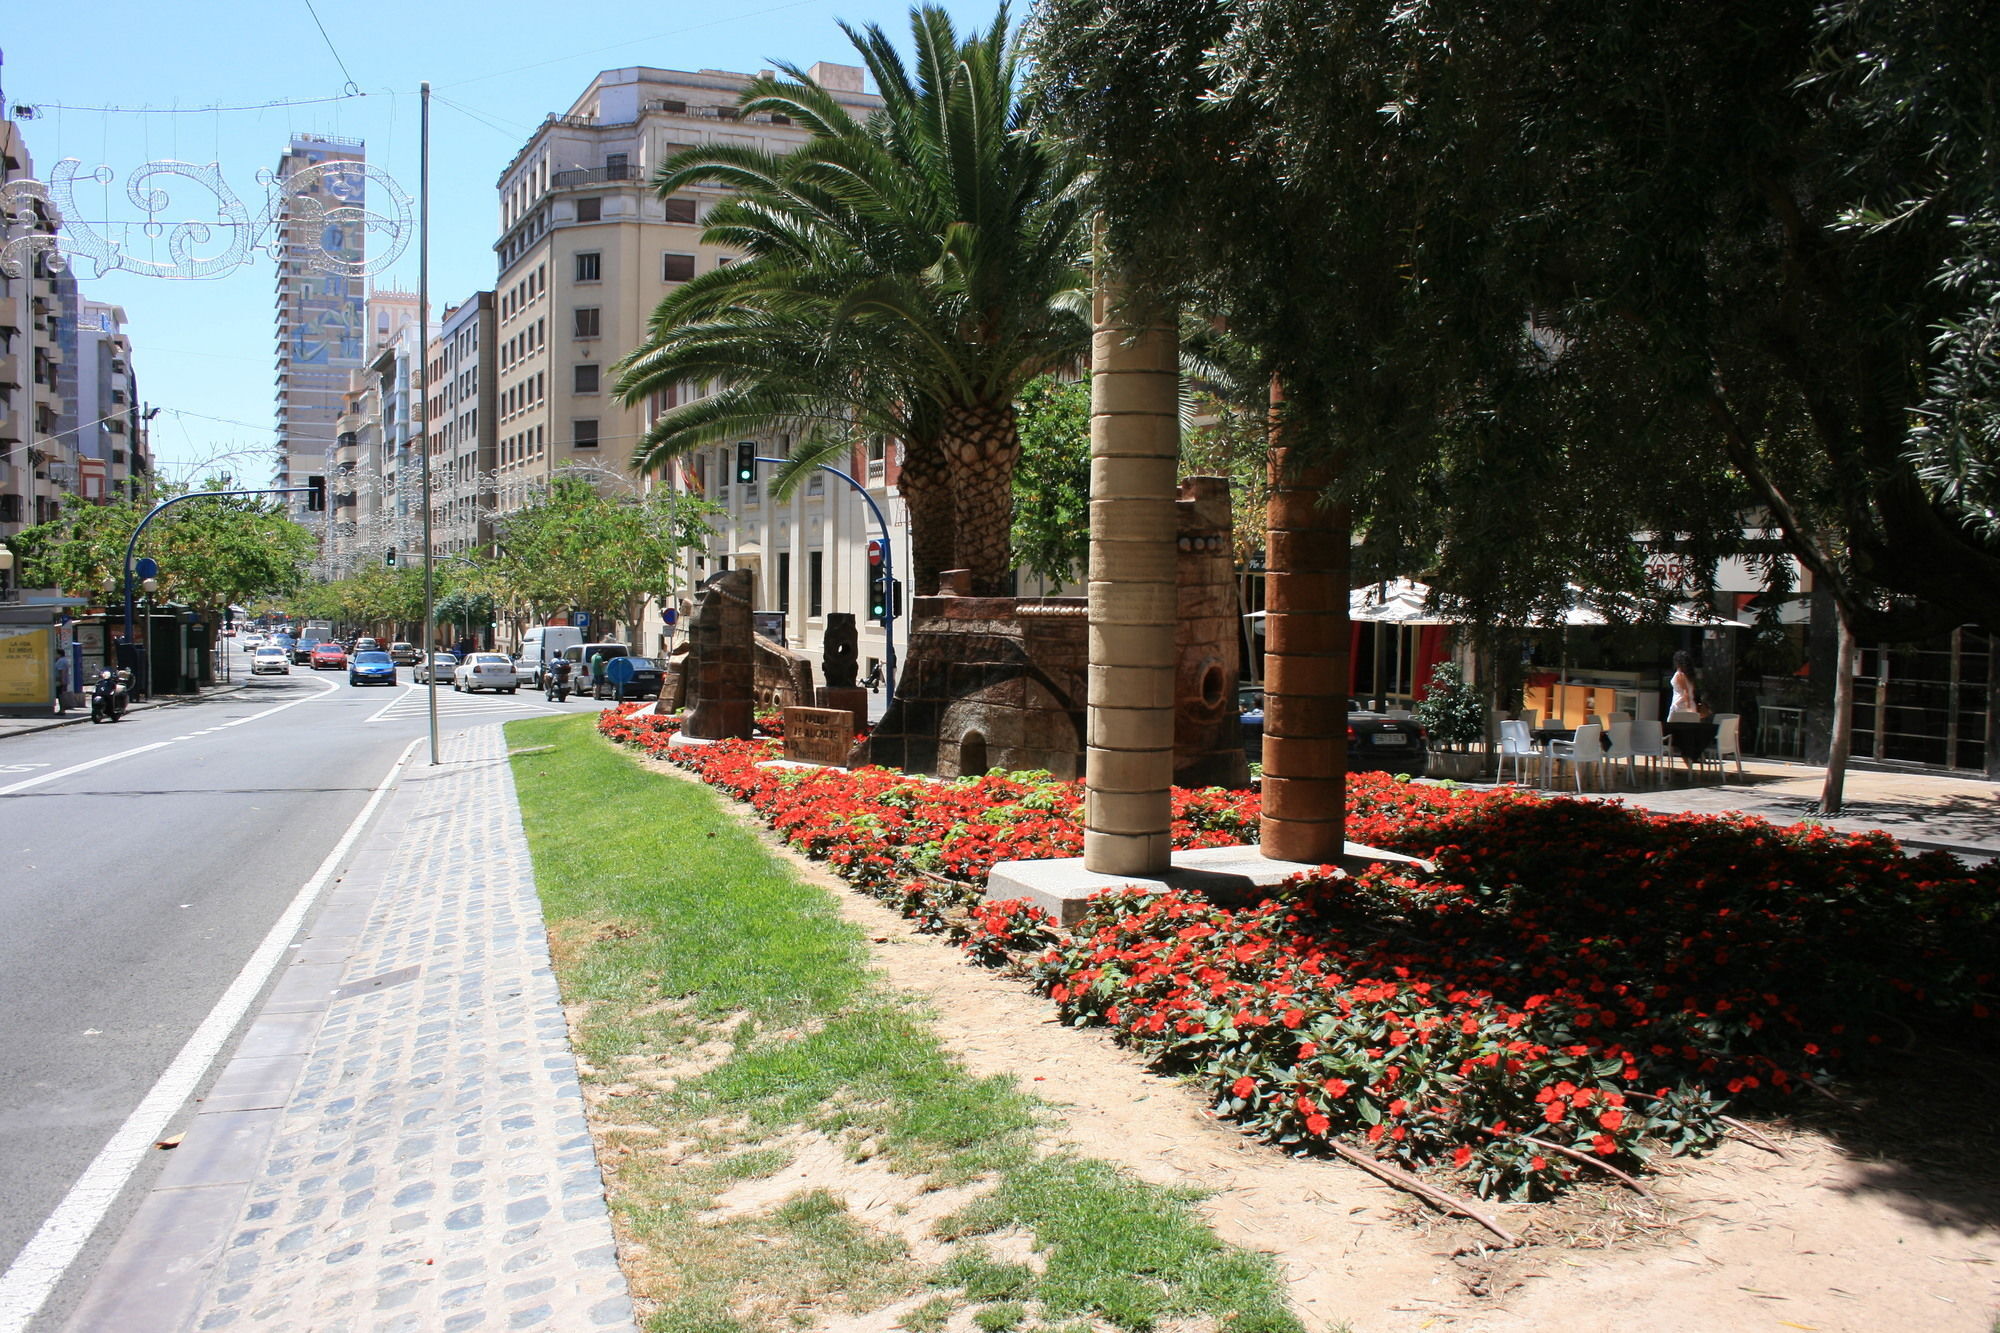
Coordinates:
<point>555,681</point>
<point>110,695</point>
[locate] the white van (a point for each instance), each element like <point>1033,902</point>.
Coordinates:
<point>542,645</point>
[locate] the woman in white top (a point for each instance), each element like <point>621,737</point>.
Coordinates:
<point>1683,707</point>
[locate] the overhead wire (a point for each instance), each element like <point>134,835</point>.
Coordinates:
<point>330,46</point>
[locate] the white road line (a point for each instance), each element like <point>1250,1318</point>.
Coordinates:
<point>156,745</point>
<point>40,1265</point>
<point>399,699</point>
<point>78,768</point>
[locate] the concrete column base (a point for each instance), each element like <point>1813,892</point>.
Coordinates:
<point>1226,876</point>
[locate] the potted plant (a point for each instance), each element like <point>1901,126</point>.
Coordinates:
<point>1452,714</point>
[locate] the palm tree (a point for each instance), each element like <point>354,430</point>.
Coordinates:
<point>903,275</point>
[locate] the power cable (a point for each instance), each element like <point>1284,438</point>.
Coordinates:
<point>634,41</point>
<point>351,84</point>
<point>200,110</point>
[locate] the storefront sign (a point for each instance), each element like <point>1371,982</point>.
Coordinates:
<point>27,667</point>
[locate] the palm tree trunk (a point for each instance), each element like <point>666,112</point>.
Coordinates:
<point>925,485</point>
<point>1305,662</point>
<point>983,445</point>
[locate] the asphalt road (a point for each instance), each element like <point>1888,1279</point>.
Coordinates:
<point>135,889</point>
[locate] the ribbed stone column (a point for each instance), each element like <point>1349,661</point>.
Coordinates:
<point>1305,664</point>
<point>1134,456</point>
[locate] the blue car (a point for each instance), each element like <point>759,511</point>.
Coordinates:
<point>372,667</point>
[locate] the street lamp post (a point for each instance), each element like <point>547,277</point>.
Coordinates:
<point>888,570</point>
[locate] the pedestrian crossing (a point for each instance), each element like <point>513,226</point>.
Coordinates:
<point>410,704</point>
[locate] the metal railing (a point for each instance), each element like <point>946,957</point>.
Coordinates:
<point>592,175</point>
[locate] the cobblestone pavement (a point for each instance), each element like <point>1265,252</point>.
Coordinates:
<point>399,1144</point>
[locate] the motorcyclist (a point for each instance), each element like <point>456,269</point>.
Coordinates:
<point>558,679</point>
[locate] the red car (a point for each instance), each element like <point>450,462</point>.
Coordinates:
<point>328,655</point>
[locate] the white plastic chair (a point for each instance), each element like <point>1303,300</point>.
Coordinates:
<point>1620,751</point>
<point>1649,742</point>
<point>1728,741</point>
<point>1586,748</point>
<point>1517,743</point>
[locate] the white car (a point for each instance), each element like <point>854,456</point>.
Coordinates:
<point>271,662</point>
<point>251,641</point>
<point>443,665</point>
<point>485,671</point>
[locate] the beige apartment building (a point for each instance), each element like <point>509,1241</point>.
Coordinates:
<point>586,252</point>
<point>460,417</point>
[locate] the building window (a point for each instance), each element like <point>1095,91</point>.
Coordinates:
<point>586,378</point>
<point>784,582</point>
<point>815,574</point>
<point>680,210</point>
<point>587,321</point>
<point>676,268</point>
<point>588,269</point>
<point>615,168</point>
<point>590,209</point>
<point>583,432</point>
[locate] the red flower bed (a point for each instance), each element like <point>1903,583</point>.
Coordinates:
<point>1571,973</point>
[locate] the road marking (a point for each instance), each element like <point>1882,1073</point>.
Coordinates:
<point>156,745</point>
<point>79,768</point>
<point>40,1265</point>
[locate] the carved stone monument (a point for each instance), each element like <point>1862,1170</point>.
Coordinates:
<point>818,735</point>
<point>838,648</point>
<point>721,672</point>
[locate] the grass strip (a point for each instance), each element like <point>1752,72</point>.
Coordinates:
<point>725,1013</point>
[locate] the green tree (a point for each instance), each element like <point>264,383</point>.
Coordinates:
<point>1539,284</point>
<point>905,275</point>
<point>1052,478</point>
<point>212,553</point>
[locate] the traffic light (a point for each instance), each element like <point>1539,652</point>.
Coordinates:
<point>746,462</point>
<point>389,557</point>
<point>878,585</point>
<point>316,496</point>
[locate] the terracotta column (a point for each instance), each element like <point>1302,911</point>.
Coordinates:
<point>1134,594</point>
<point>1305,662</point>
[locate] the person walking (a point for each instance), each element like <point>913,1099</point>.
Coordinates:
<point>596,675</point>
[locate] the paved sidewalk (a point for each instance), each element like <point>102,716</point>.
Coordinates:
<point>399,1142</point>
<point>1923,810</point>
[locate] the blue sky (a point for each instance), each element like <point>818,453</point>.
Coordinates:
<point>202,349</point>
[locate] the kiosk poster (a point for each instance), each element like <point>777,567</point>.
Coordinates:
<point>27,671</point>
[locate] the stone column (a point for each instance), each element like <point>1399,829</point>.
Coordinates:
<point>1305,663</point>
<point>1134,456</point>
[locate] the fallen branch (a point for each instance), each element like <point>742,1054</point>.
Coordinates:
<point>1752,1135</point>
<point>1587,1160</point>
<point>1437,1198</point>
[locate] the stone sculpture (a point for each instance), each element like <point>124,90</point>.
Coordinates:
<point>721,669</point>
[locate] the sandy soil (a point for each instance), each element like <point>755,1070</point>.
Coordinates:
<point>1837,1235</point>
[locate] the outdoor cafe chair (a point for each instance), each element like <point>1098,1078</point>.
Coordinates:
<point>1649,742</point>
<point>1517,742</point>
<point>1620,751</point>
<point>1728,742</point>
<point>1586,748</point>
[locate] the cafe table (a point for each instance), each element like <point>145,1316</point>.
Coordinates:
<point>1690,740</point>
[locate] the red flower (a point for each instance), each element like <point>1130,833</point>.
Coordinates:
<point>1244,1086</point>
<point>1317,1124</point>
<point>1336,1087</point>
<point>1461,1155</point>
<point>1611,1120</point>
<point>1603,1145</point>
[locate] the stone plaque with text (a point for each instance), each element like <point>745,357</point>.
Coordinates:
<point>818,735</point>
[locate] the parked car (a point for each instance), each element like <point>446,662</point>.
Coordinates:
<point>1376,742</point>
<point>327,655</point>
<point>442,666</point>
<point>372,667</point>
<point>633,678</point>
<point>271,661</point>
<point>485,671</point>
<point>404,654</point>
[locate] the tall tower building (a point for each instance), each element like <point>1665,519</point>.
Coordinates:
<point>321,317</point>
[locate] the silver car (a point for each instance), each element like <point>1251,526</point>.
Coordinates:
<point>271,662</point>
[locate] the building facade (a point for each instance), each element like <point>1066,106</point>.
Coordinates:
<point>586,252</point>
<point>462,446</point>
<point>39,422</point>
<point>111,432</point>
<point>321,317</point>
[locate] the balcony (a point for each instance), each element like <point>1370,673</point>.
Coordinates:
<point>563,180</point>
